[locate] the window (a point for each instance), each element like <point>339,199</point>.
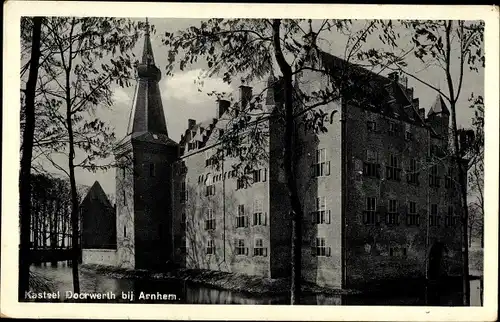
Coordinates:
<point>192,145</point>
<point>320,249</point>
<point>152,170</point>
<point>209,220</point>
<point>321,215</point>
<point>241,219</point>
<point>394,129</point>
<point>433,177</point>
<point>240,247</point>
<point>393,169</point>
<point>412,218</point>
<point>392,217</point>
<point>448,178</point>
<point>184,195</point>
<point>371,168</point>
<point>450,219</point>
<point>210,190</point>
<point>210,247</point>
<point>124,231</point>
<point>412,173</point>
<point>241,183</point>
<point>434,218</point>
<point>260,175</point>
<point>258,249</point>
<point>370,214</point>
<point>371,126</point>
<point>209,159</point>
<point>259,217</point>
<point>321,167</point>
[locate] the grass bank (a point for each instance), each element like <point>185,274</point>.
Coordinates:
<point>234,282</point>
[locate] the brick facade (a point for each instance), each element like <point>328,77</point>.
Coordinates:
<point>376,198</point>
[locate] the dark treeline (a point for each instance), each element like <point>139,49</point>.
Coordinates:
<point>51,212</point>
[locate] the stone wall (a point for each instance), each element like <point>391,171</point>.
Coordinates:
<point>125,216</point>
<point>224,205</point>
<point>382,251</point>
<point>99,256</point>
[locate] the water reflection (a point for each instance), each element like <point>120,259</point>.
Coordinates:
<point>178,292</point>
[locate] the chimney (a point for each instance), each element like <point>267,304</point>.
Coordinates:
<point>245,95</point>
<point>409,93</point>
<point>222,107</point>
<point>394,76</point>
<point>421,112</point>
<point>191,123</point>
<point>416,103</point>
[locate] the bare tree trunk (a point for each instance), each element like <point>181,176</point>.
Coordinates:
<point>25,175</point>
<point>296,213</point>
<point>462,174</point>
<point>74,194</point>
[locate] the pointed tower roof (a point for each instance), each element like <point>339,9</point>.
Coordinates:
<point>439,106</point>
<point>147,52</point>
<point>97,193</point>
<point>147,113</point>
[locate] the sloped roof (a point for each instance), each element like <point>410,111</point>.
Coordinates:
<point>97,193</point>
<point>370,90</point>
<point>147,109</point>
<point>439,106</point>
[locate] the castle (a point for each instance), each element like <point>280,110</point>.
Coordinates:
<point>379,195</point>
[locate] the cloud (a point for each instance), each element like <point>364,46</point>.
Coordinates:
<point>120,95</point>
<point>183,86</point>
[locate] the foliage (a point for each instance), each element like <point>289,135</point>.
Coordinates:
<point>250,49</point>
<point>94,54</point>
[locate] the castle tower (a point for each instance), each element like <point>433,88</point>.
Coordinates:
<point>144,174</point>
<point>439,117</point>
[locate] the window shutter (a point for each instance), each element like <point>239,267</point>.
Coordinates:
<point>379,171</point>
<point>381,213</point>
<point>313,170</point>
<point>313,217</point>
<point>328,251</point>
<point>254,219</point>
<point>265,218</point>
<point>327,169</point>
<point>246,251</point>
<point>265,175</point>
<point>265,252</point>
<point>247,221</point>
<point>327,216</point>
<point>313,247</point>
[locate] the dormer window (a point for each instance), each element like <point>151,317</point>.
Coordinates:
<point>192,145</point>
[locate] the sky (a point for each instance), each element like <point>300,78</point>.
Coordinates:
<point>182,99</point>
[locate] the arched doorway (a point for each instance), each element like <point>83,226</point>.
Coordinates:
<point>436,265</point>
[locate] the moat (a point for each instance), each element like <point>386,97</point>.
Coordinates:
<point>179,292</point>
